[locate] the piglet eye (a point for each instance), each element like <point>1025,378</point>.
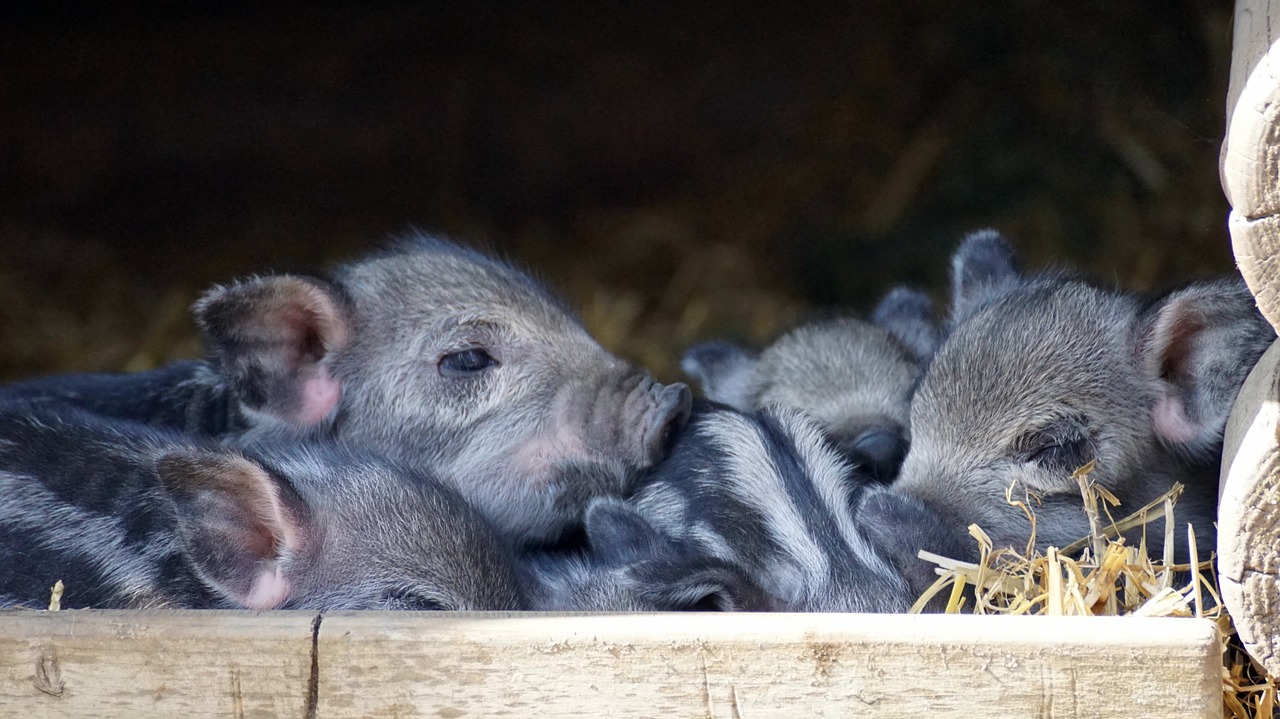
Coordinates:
<point>466,362</point>
<point>712,602</point>
<point>1065,455</point>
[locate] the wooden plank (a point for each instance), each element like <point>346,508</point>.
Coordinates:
<point>749,666</point>
<point>1249,513</point>
<point>155,664</point>
<point>372,664</point>
<point>1249,487</point>
<point>1257,248</point>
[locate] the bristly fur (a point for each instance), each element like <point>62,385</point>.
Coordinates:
<point>1042,373</point>
<point>765,493</point>
<point>430,352</point>
<point>130,516</point>
<point>855,378</point>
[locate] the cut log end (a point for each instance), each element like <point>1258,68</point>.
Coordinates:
<point>1249,513</point>
<point>1257,248</point>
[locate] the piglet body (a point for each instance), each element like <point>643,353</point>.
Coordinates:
<point>131,516</point>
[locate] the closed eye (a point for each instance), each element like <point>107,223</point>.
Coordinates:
<point>1067,455</point>
<point>1062,447</point>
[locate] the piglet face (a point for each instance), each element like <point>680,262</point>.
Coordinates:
<point>1043,374</point>
<point>854,377</point>
<point>1019,397</point>
<point>465,364</point>
<point>442,357</point>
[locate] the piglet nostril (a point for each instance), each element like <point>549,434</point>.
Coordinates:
<point>670,413</point>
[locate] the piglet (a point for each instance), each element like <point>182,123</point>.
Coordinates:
<point>767,494</point>
<point>433,354</point>
<point>854,377</point>
<point>1042,373</point>
<point>131,516</point>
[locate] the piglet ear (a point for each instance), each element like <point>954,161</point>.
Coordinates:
<point>700,584</point>
<point>271,338</point>
<point>907,314</point>
<point>725,371</point>
<point>900,526</point>
<point>237,523</point>
<point>1199,343</point>
<point>619,534</point>
<point>981,269</point>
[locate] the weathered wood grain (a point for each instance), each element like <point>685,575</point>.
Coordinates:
<point>1249,513</point>
<point>1248,154</point>
<point>1256,244</point>
<point>370,664</point>
<point>155,664</point>
<point>1250,160</point>
<point>752,666</point>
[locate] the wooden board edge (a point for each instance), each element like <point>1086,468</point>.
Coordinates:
<point>175,663</point>
<point>762,665</point>
<point>162,663</point>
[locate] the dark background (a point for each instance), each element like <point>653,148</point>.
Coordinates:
<point>679,171</point>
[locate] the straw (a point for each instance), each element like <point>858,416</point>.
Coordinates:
<point>1101,575</point>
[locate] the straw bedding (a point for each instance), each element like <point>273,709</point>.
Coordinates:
<point>1102,575</point>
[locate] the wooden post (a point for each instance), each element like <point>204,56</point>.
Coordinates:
<point>1250,161</point>
<point>1248,149</point>
<point>1248,512</point>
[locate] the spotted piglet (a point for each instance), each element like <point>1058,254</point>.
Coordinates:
<point>131,516</point>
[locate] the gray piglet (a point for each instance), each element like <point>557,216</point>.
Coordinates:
<point>854,377</point>
<point>130,516</point>
<point>433,354</point>
<point>765,493</point>
<point>1042,373</point>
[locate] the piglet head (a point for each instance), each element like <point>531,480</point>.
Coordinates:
<point>445,358</point>
<point>1042,375</point>
<point>463,363</point>
<point>311,527</point>
<point>630,565</point>
<point>854,377</point>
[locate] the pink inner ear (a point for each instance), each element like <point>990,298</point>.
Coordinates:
<point>1171,421</point>
<point>319,395</point>
<point>269,590</point>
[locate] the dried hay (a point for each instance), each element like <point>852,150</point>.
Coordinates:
<point>1108,578</point>
<point>55,596</point>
